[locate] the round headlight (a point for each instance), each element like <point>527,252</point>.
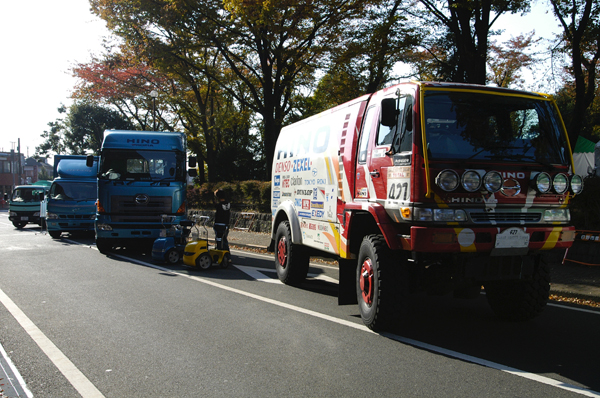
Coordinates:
<point>492,181</point>
<point>576,184</point>
<point>471,181</point>
<point>560,183</point>
<point>543,183</point>
<point>447,180</point>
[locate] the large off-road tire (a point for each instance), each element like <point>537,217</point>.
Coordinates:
<point>291,261</point>
<point>377,287</point>
<point>520,300</point>
<point>54,234</point>
<point>172,256</point>
<point>103,245</point>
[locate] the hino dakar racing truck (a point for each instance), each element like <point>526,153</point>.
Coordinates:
<point>427,187</point>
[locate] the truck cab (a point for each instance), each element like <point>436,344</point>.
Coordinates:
<point>142,175</point>
<point>25,204</point>
<point>71,204</point>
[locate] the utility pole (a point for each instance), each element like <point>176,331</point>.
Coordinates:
<point>20,165</point>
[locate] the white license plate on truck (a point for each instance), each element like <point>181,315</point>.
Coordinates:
<point>24,218</point>
<point>512,238</point>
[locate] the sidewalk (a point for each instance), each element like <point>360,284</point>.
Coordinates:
<point>569,280</point>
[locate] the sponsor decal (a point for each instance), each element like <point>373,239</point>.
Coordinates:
<point>296,181</point>
<point>317,205</point>
<point>286,194</point>
<point>276,194</point>
<point>297,202</point>
<point>302,164</point>
<point>312,226</point>
<point>275,203</point>
<point>363,193</point>
<point>379,153</point>
<point>304,192</point>
<point>398,172</point>
<point>305,214</point>
<point>277,181</point>
<point>400,160</point>
<point>318,213</point>
<point>283,166</point>
<point>285,183</point>
<point>305,204</point>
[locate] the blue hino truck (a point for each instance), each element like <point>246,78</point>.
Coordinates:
<point>142,176</point>
<point>71,203</point>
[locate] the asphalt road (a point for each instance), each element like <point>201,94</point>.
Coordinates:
<point>74,322</point>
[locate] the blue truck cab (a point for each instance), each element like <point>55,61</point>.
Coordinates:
<point>72,198</point>
<point>142,176</point>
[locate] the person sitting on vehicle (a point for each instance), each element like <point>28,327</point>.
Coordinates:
<point>222,215</point>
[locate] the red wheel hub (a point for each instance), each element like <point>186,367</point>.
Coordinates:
<point>282,252</point>
<point>366,281</point>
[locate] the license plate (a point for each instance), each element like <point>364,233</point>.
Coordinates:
<point>512,238</point>
<point>24,218</point>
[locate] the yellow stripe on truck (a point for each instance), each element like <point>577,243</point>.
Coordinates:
<point>552,238</point>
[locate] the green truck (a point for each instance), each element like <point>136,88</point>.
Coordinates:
<point>25,203</point>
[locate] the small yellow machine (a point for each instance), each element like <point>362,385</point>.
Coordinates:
<point>198,253</point>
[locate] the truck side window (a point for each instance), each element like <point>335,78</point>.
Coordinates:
<point>366,133</point>
<point>407,127</point>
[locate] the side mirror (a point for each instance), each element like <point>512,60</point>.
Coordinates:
<point>6,197</point>
<point>389,113</point>
<point>89,160</point>
<point>192,161</point>
<point>193,173</point>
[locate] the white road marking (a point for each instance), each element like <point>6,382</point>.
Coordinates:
<point>60,360</point>
<point>15,372</point>
<point>258,274</point>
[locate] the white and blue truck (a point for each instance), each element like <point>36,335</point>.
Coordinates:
<point>71,203</point>
<point>142,176</point>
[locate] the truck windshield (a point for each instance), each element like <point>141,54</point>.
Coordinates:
<point>466,125</point>
<point>27,194</point>
<point>141,165</point>
<point>71,190</point>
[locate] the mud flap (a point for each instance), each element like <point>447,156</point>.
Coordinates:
<point>347,283</point>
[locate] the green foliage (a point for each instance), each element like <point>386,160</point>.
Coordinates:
<point>243,195</point>
<point>585,207</point>
<point>81,131</point>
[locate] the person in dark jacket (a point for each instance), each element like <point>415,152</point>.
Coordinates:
<point>222,215</point>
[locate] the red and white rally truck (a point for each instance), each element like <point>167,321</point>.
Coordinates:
<point>427,187</point>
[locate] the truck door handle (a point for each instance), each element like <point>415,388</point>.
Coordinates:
<point>374,173</point>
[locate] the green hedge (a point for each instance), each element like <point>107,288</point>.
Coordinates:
<point>243,195</point>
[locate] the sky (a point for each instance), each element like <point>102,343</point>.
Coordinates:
<point>42,40</point>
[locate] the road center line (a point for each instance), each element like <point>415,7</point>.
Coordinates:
<point>60,360</point>
<point>415,343</point>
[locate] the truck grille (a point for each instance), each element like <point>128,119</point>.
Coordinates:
<point>75,216</point>
<point>125,209</point>
<point>505,217</point>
